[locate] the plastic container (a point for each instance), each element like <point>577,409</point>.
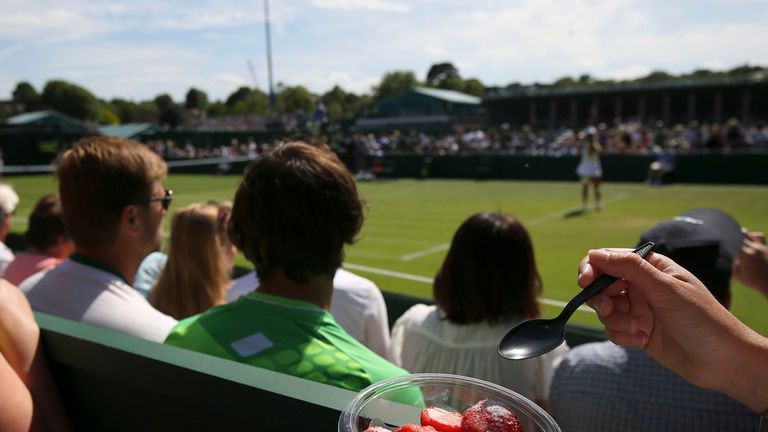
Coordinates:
<point>397,401</point>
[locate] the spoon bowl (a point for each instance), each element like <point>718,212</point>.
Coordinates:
<point>535,337</point>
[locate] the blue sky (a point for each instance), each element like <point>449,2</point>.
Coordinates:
<point>137,49</point>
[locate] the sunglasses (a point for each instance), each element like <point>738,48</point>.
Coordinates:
<point>165,201</point>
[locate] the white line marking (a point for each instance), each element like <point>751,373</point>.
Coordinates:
<point>421,253</point>
<point>389,273</point>
<point>559,214</point>
<point>427,280</point>
<point>534,221</point>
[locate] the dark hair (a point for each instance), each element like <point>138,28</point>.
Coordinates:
<point>489,273</point>
<point>46,223</point>
<point>98,177</point>
<point>295,209</point>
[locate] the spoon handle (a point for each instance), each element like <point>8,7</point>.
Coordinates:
<point>598,285</point>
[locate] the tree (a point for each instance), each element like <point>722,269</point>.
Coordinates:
<point>565,81</point>
<point>451,83</point>
<point>394,83</point>
<point>291,99</point>
<point>440,71</point>
<point>344,106</point>
<point>238,95</point>
<point>656,76</point>
<point>163,101</point>
<point>196,99</point>
<point>26,95</point>
<point>474,87</point>
<point>169,114</point>
<point>253,102</point>
<point>70,99</point>
<point>125,110</point>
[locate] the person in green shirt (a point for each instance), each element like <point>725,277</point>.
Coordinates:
<point>295,209</point>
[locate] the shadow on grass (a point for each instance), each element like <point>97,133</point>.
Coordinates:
<point>574,213</point>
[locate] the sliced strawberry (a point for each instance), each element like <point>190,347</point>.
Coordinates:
<point>442,420</point>
<point>490,416</point>
<point>410,427</point>
<point>377,429</point>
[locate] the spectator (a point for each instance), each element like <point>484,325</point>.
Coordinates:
<point>664,165</point>
<point>488,283</point>
<point>200,259</point>
<point>149,272</point>
<point>29,399</point>
<point>357,306</point>
<point>8,202</point>
<point>48,243</point>
<point>601,386</point>
<point>114,203</point>
<point>294,210</point>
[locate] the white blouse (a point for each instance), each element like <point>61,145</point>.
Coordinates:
<point>422,342</point>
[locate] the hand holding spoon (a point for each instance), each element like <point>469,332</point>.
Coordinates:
<point>532,338</point>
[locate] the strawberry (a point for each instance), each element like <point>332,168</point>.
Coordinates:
<point>377,429</point>
<point>410,427</point>
<point>490,416</point>
<point>442,420</point>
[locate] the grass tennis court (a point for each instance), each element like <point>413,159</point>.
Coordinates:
<point>409,224</point>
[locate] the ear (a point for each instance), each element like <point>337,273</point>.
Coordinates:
<point>131,219</point>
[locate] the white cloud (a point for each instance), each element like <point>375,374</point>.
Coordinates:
<point>373,5</point>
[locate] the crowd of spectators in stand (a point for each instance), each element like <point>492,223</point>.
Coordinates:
<point>294,211</point>
<point>633,138</point>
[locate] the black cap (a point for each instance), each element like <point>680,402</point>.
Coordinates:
<point>703,241</point>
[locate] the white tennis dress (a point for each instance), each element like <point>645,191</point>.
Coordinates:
<point>589,167</point>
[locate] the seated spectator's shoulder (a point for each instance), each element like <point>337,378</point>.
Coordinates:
<point>418,314</point>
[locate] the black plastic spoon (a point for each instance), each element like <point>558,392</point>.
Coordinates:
<point>535,337</point>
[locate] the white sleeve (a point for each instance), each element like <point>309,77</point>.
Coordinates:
<point>377,325</point>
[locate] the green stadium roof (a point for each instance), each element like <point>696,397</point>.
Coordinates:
<point>127,131</point>
<point>448,95</point>
<point>45,117</point>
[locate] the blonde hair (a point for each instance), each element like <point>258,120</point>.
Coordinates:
<point>195,277</point>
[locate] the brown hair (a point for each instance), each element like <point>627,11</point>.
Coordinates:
<point>98,177</point>
<point>195,277</point>
<point>489,273</point>
<point>46,224</point>
<point>295,209</point>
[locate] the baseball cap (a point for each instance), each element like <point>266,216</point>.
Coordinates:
<point>704,241</point>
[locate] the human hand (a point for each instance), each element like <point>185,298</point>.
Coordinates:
<point>660,307</point>
<point>751,265</point>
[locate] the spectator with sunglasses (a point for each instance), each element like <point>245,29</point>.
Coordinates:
<point>114,203</point>
<point>200,259</point>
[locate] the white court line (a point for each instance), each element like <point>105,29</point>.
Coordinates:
<point>421,253</point>
<point>534,221</point>
<point>559,214</point>
<point>427,280</point>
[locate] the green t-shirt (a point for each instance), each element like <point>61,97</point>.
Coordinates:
<point>284,335</point>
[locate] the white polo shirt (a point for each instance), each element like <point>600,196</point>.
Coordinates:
<point>80,289</point>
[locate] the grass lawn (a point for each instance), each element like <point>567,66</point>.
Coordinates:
<point>409,224</point>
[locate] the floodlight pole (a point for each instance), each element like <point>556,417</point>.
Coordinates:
<point>269,57</point>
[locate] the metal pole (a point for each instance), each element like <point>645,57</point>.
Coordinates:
<point>269,57</point>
